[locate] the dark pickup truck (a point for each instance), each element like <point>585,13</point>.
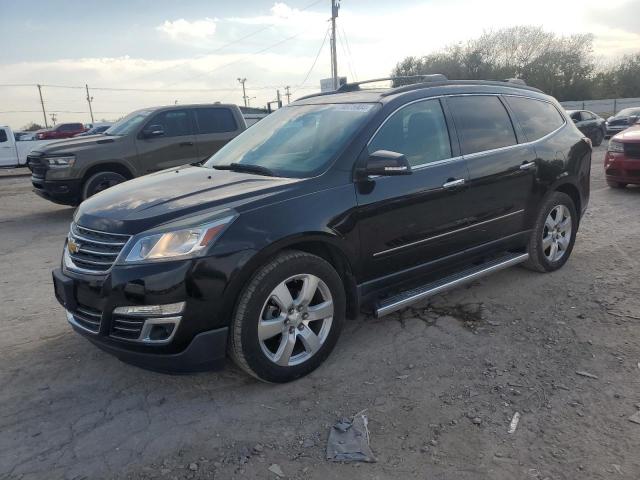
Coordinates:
<point>143,142</point>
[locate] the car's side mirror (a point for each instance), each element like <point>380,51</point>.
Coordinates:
<point>575,120</point>
<point>387,163</point>
<point>153,131</point>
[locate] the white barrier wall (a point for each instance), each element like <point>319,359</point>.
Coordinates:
<point>602,107</point>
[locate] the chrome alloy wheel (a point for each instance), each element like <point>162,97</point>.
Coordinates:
<point>556,235</point>
<point>295,320</point>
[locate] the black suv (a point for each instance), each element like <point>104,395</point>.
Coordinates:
<point>362,198</point>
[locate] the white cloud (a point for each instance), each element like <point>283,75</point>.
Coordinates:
<point>185,31</point>
<point>281,14</point>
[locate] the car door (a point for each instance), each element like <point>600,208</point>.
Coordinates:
<point>215,127</point>
<point>501,171</point>
<point>408,220</point>
<point>7,150</point>
<point>170,143</point>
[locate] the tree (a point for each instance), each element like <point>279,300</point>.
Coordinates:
<point>559,65</point>
<point>32,127</point>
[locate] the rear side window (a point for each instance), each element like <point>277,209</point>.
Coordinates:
<point>419,131</point>
<point>215,120</point>
<point>175,123</point>
<point>3,135</point>
<point>482,123</point>
<point>537,118</point>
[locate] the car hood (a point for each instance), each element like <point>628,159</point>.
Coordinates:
<point>159,198</point>
<point>77,144</point>
<point>630,135</point>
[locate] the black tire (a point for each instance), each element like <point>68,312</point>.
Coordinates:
<point>597,139</point>
<point>617,185</point>
<point>538,260</point>
<point>100,181</point>
<point>244,345</point>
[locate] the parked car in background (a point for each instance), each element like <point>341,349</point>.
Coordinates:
<point>143,142</point>
<point>62,130</point>
<point>95,129</point>
<point>592,125</point>
<point>24,136</point>
<point>622,120</point>
<point>622,160</point>
<point>372,198</point>
<point>13,153</point>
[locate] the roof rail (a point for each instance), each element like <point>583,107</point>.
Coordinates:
<point>436,77</point>
<point>517,81</point>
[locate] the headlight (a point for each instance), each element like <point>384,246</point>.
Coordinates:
<point>615,146</point>
<point>66,161</point>
<point>187,242</point>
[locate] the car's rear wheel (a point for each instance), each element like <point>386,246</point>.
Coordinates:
<point>554,234</point>
<point>100,181</point>
<point>288,317</point>
<point>597,139</point>
<point>613,184</point>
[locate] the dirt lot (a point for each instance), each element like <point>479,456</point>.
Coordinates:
<point>440,382</point>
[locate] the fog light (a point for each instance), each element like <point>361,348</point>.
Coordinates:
<point>150,310</point>
<point>161,332</point>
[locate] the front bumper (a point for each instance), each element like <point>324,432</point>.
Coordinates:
<point>620,169</point>
<point>614,129</point>
<point>65,192</point>
<point>198,342</point>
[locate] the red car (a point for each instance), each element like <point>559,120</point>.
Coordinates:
<point>63,130</point>
<point>622,161</point>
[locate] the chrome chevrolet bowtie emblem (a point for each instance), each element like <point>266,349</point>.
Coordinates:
<point>73,246</point>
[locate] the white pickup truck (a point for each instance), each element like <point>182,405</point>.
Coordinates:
<point>12,153</point>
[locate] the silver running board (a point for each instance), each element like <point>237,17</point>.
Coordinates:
<point>404,299</point>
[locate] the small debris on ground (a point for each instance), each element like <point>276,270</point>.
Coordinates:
<point>514,422</point>
<point>635,418</point>
<point>586,374</point>
<point>193,467</point>
<point>349,440</point>
<point>402,377</point>
<point>275,468</point>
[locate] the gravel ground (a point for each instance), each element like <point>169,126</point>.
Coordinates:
<point>440,382</point>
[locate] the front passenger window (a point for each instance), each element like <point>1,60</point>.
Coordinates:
<point>419,131</point>
<point>175,123</point>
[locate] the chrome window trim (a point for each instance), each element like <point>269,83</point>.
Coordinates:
<point>451,232</point>
<point>475,154</point>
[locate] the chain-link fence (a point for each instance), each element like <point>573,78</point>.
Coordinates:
<point>605,107</point>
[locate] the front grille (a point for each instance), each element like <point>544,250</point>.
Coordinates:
<point>92,250</point>
<point>36,165</point>
<point>87,318</point>
<point>128,328</point>
<point>632,150</point>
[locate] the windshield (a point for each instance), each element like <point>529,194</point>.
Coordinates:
<point>296,141</point>
<point>128,123</point>
<point>627,112</point>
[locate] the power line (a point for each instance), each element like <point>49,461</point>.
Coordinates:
<point>315,60</point>
<point>350,61</point>
<point>238,40</point>
<point>243,59</point>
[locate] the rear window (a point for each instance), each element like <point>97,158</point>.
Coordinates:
<point>215,120</point>
<point>482,123</point>
<point>536,117</point>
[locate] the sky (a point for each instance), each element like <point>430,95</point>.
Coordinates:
<point>194,51</point>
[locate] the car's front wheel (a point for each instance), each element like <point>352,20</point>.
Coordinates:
<point>288,317</point>
<point>100,181</point>
<point>597,139</point>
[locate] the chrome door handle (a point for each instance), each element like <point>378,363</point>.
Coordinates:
<point>453,183</point>
<point>528,166</point>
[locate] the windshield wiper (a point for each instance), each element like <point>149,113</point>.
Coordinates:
<point>245,167</point>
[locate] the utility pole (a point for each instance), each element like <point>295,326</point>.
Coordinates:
<point>89,100</point>
<point>54,117</point>
<point>288,94</point>
<point>335,6</point>
<point>279,100</point>
<point>244,92</point>
<point>44,113</point>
